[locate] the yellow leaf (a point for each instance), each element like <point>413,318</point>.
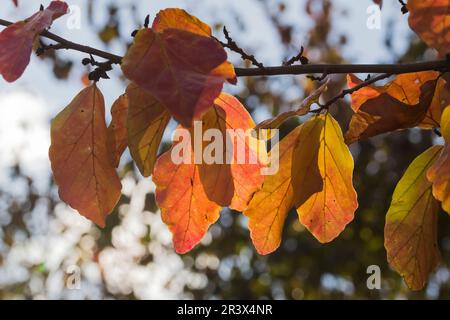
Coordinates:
<point>326,201</point>
<point>147,119</point>
<point>411,222</point>
<point>315,176</point>
<point>269,206</point>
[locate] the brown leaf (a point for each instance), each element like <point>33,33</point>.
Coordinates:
<point>399,105</point>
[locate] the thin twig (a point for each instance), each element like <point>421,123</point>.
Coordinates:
<point>299,57</point>
<point>345,92</point>
<point>233,46</point>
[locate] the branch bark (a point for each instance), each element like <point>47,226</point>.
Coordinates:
<point>436,65</point>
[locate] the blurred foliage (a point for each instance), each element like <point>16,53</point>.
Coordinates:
<point>301,268</point>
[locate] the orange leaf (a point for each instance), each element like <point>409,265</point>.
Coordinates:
<point>303,109</point>
<point>313,177</point>
<point>147,119</point>
<point>80,160</point>
<point>439,173</point>
<point>401,104</point>
<point>185,68</point>
<point>405,88</point>
<point>268,209</point>
<point>184,205</point>
<point>430,19</point>
<point>16,41</point>
<point>441,100</point>
<point>179,19</point>
<point>117,130</point>
<point>411,224</point>
<point>230,183</point>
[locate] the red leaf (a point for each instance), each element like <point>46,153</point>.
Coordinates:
<point>16,2</point>
<point>80,160</point>
<point>186,76</point>
<point>16,41</point>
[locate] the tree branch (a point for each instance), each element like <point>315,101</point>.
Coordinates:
<point>437,65</point>
<point>351,90</point>
<point>66,44</point>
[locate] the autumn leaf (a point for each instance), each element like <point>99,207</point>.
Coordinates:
<point>326,212</point>
<point>179,19</point>
<point>147,120</point>
<point>80,160</point>
<point>430,19</point>
<point>401,104</point>
<point>439,172</point>
<point>314,178</point>
<point>441,100</point>
<point>234,174</point>
<point>117,130</point>
<point>411,223</point>
<point>184,205</point>
<point>185,68</point>
<point>16,2</point>
<point>303,109</point>
<point>16,41</point>
<point>268,209</point>
<point>405,88</point>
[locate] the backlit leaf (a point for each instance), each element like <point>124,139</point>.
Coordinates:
<point>117,130</point>
<point>441,100</point>
<point>16,40</point>
<point>439,173</point>
<point>315,176</point>
<point>231,183</point>
<point>269,206</point>
<point>179,19</point>
<point>147,120</point>
<point>186,70</point>
<point>411,223</point>
<point>401,104</point>
<point>303,109</point>
<point>184,205</point>
<point>430,19</point>
<point>326,200</point>
<point>80,160</point>
<point>405,87</point>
